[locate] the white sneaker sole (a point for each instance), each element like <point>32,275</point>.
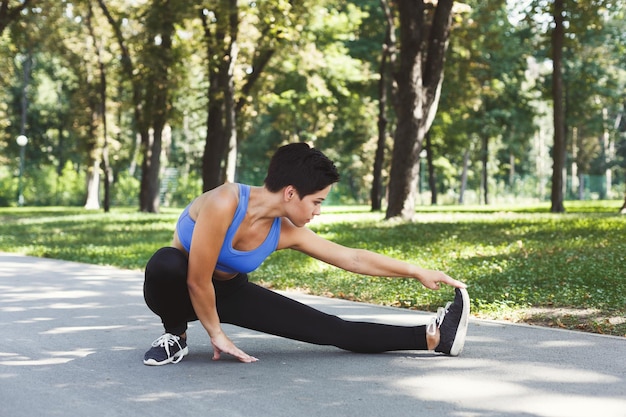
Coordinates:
<point>461,331</point>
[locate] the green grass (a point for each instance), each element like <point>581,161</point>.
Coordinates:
<point>521,263</point>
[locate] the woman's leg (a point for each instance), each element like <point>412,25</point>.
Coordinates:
<point>248,305</point>
<point>245,304</point>
<point>165,289</point>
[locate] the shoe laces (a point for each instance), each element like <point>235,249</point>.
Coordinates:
<point>435,322</point>
<point>166,341</point>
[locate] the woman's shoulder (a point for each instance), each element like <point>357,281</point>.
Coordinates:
<point>222,198</point>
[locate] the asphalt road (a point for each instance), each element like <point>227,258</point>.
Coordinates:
<point>73,338</point>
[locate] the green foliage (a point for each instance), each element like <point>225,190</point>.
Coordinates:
<point>317,91</point>
<point>125,190</point>
<point>486,94</point>
<point>43,186</point>
<point>183,190</point>
<point>8,187</point>
<point>520,263</point>
<point>70,187</point>
<point>319,85</point>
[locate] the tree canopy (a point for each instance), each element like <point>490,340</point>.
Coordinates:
<point>160,100</point>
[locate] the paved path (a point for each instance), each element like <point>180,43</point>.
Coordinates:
<point>73,338</point>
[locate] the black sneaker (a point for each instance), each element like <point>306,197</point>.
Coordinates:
<point>166,349</point>
<point>452,321</point>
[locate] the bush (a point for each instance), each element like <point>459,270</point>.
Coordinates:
<point>44,187</point>
<point>125,190</point>
<point>70,187</point>
<point>8,188</point>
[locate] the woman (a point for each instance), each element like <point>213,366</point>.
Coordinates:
<point>227,232</point>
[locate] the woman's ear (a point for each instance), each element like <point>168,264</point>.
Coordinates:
<point>289,192</point>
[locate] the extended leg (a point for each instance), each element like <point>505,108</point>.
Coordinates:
<point>245,304</point>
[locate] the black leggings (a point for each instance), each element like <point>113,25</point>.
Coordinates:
<point>248,305</point>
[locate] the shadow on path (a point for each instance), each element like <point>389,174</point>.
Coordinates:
<point>74,336</point>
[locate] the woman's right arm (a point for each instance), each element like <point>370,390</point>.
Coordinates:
<point>214,214</point>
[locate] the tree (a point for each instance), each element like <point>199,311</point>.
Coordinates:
<point>317,89</point>
<point>101,111</point>
<point>594,82</point>
<point>423,42</point>
<point>450,140</point>
<point>388,58</point>
<point>559,149</point>
<point>486,85</point>
<point>308,71</point>
<point>228,91</point>
<point>221,28</point>
<point>151,72</point>
<point>10,14</point>
<point>52,119</point>
<point>569,23</point>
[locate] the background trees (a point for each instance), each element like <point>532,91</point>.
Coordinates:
<point>424,33</point>
<point>11,11</point>
<point>571,28</point>
<point>486,114</point>
<point>160,99</point>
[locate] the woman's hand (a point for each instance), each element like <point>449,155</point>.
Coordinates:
<point>222,344</point>
<point>431,279</point>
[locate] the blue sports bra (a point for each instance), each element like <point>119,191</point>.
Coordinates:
<point>231,260</point>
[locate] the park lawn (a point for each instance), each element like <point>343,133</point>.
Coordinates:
<point>521,263</point>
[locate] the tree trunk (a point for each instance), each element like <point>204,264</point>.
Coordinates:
<point>157,110</point>
<point>376,196</point>
<point>511,170</point>
<point>432,179</point>
<point>92,202</point>
<point>150,167</point>
<point>132,168</point>
<point>151,145</point>
<point>62,147</point>
<point>214,145</point>
<point>608,151</point>
<point>220,148</point>
<point>419,77</point>
<point>219,161</point>
<point>580,191</point>
<point>466,156</point>
<point>388,53</point>
<point>485,174</point>
<point>574,165</point>
<point>105,139</point>
<point>94,104</point>
<point>558,35</point>
<point>102,93</point>
<point>27,66</point>
<point>93,186</point>
<point>231,116</point>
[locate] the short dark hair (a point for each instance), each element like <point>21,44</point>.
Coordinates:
<point>302,166</point>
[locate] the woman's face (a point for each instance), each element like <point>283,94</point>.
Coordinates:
<point>302,211</point>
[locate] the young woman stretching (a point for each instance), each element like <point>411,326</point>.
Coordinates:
<point>227,232</point>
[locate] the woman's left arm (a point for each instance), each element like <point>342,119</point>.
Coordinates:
<point>365,262</point>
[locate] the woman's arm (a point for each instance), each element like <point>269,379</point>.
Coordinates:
<point>214,214</point>
<point>362,261</point>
